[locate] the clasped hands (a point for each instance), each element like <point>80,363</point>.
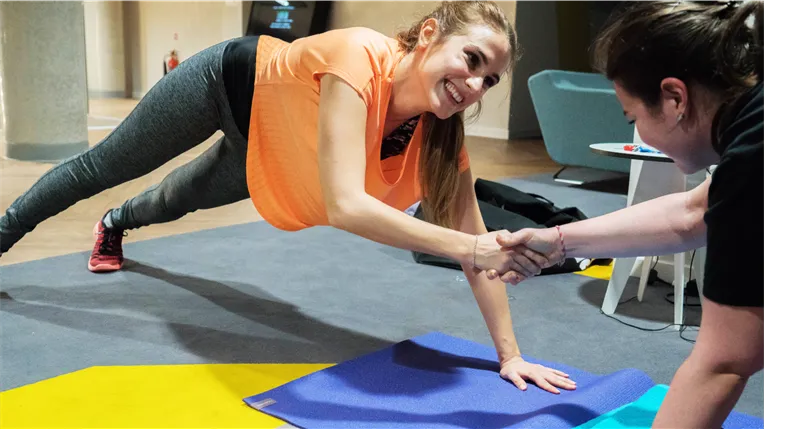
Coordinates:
<point>514,257</point>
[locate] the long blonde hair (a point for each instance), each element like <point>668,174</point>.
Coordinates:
<point>443,139</point>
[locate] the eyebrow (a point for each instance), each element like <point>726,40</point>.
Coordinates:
<point>483,56</point>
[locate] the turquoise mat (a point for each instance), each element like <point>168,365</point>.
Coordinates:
<point>641,413</point>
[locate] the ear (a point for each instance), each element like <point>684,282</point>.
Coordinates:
<point>674,97</point>
<point>428,32</point>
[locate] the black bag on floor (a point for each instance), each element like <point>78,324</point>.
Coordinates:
<point>506,208</point>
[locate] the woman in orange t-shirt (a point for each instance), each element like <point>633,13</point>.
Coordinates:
<point>347,128</point>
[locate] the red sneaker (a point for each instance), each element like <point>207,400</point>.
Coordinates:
<point>107,253</point>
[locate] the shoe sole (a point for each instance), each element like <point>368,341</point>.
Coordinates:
<point>103,268</point>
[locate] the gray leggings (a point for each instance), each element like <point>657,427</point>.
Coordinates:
<point>181,111</point>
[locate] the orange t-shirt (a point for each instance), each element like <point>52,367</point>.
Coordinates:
<point>282,165</point>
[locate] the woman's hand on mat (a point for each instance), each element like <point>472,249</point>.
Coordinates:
<point>489,255</point>
<point>518,370</point>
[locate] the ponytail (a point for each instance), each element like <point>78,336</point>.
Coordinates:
<point>759,36</point>
<point>741,46</point>
<point>439,167</point>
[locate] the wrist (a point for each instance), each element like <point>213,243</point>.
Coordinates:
<point>560,245</point>
<point>554,237</point>
<point>462,249</point>
<point>507,349</point>
<point>509,358</point>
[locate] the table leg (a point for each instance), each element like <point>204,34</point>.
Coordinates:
<point>648,180</point>
<point>619,277</point>
<point>699,268</point>
<point>648,261</point>
<point>678,284</point>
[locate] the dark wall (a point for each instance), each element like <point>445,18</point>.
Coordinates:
<point>553,35</point>
<point>599,11</point>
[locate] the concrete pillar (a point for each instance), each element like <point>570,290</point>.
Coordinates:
<point>105,49</point>
<point>44,91</point>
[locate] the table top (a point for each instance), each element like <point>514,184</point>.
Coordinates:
<point>617,150</point>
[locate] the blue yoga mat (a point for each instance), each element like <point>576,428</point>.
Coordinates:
<point>439,381</point>
<point>642,412</point>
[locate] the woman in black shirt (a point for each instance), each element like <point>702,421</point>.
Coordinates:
<point>691,76</point>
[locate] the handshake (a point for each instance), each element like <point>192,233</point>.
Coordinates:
<point>514,257</point>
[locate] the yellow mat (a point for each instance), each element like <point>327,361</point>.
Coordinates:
<point>165,396</point>
<point>598,271</point>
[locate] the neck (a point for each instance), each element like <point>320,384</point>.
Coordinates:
<point>404,102</point>
<point>710,107</point>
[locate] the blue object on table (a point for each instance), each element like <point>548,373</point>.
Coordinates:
<point>641,413</point>
<point>439,381</point>
<point>641,148</point>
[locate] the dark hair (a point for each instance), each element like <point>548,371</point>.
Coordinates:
<point>443,139</point>
<point>705,43</point>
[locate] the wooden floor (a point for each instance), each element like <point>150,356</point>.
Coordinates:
<point>71,231</point>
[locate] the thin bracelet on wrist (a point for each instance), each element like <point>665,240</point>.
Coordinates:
<point>475,252</point>
<point>563,247</point>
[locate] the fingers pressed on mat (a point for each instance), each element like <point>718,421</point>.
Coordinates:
<point>542,383</point>
<point>518,381</point>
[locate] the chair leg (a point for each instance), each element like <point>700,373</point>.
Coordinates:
<point>555,175</point>
<point>557,178</point>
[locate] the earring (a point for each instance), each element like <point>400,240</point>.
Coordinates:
<point>680,117</point>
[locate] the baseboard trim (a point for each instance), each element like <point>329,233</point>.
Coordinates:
<point>44,152</point>
<point>533,133</point>
<point>98,94</point>
<point>489,132</point>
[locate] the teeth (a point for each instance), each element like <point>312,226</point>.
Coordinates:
<point>452,89</point>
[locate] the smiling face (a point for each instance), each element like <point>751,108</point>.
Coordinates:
<point>458,70</point>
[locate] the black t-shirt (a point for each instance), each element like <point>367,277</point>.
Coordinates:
<point>239,75</point>
<point>734,272</point>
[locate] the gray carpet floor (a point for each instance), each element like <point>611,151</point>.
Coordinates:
<point>254,294</point>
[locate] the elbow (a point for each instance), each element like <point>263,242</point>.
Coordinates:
<point>694,206</point>
<point>692,227</point>
<point>344,213</point>
<point>696,230</point>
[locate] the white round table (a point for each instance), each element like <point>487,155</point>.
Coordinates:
<point>618,150</point>
<point>653,175</point>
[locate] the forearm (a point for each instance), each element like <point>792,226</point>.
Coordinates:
<point>493,304</point>
<point>661,226</point>
<point>371,219</point>
<point>378,222</point>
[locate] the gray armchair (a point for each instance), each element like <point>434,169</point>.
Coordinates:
<point>576,110</point>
